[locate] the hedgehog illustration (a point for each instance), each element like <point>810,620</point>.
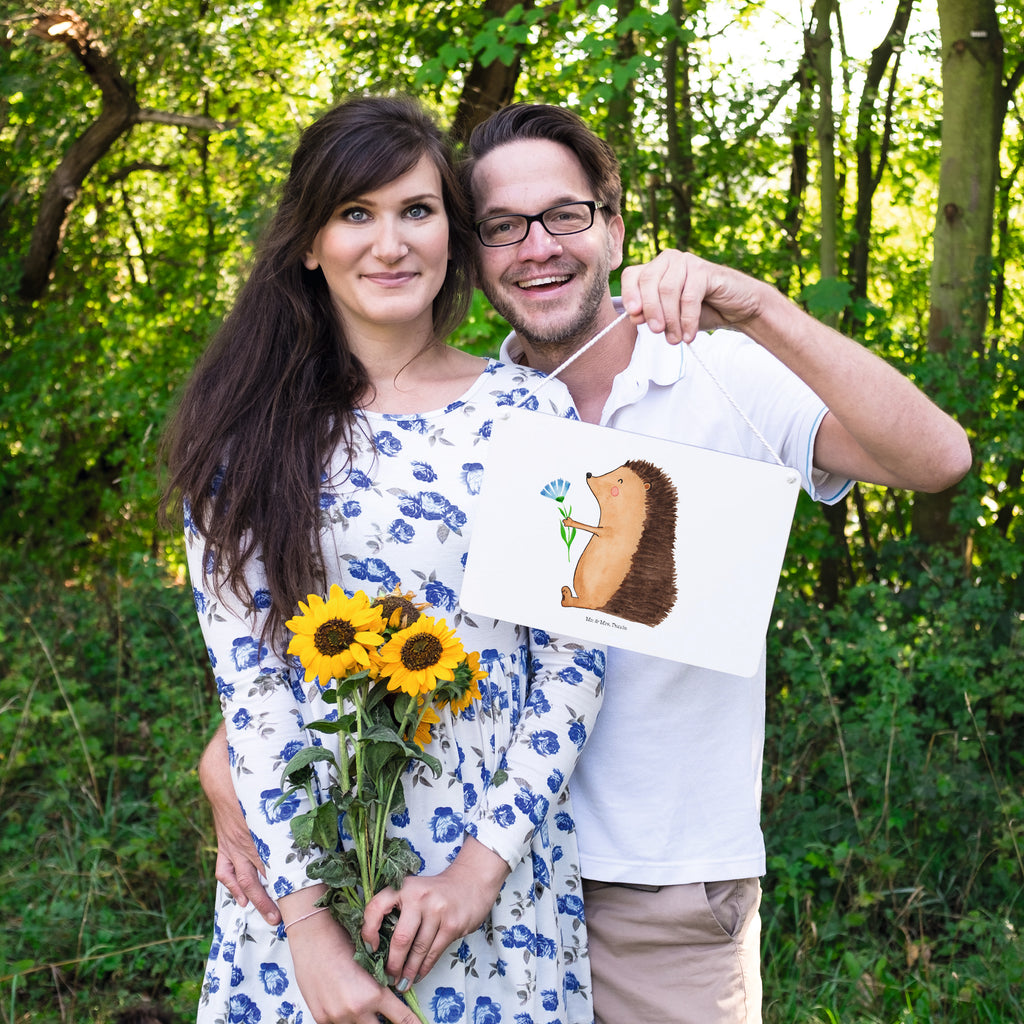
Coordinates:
<point>627,568</point>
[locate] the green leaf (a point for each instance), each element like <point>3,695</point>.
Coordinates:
<point>299,769</point>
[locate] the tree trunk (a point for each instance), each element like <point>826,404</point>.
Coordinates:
<point>973,104</point>
<point>679,132</point>
<point>117,115</point>
<point>487,89</point>
<point>819,55</point>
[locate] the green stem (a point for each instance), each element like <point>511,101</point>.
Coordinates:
<point>414,1004</point>
<point>360,834</point>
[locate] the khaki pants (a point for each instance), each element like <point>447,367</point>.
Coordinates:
<point>675,954</point>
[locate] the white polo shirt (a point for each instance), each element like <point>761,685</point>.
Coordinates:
<point>668,789</point>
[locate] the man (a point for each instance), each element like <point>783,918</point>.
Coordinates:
<point>667,792</point>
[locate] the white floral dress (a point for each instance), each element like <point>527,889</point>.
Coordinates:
<point>403,515</point>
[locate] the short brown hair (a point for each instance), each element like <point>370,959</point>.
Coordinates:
<point>520,121</point>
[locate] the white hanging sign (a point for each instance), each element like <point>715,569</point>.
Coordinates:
<point>635,542</point>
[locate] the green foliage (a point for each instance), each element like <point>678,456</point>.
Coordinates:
<point>107,866</point>
<point>893,802</point>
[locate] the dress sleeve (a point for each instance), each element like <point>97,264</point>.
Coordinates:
<point>565,691</point>
<point>263,706</point>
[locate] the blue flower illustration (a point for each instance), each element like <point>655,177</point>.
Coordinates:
<point>273,811</point>
<point>446,825</point>
<point>274,978</point>
<point>472,476</point>
<point>545,742</point>
<point>557,490</point>
<point>242,1010</point>
<point>448,1005</point>
<point>487,1011</point>
<point>387,444</point>
<point>401,531</point>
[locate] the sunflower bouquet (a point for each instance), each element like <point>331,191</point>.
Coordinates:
<point>390,669</point>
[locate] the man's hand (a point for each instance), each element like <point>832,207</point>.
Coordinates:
<point>435,910</point>
<point>238,864</point>
<point>678,293</point>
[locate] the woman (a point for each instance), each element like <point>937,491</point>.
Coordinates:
<point>329,435</point>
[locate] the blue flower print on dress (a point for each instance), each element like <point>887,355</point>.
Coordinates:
<point>539,702</point>
<point>572,983</point>
<point>541,875</point>
<point>564,822</point>
<point>505,816</point>
<point>448,1006</point>
<point>401,531</point>
<point>241,718</point>
<point>440,596</point>
<point>262,600</point>
<point>246,652</point>
<point>414,424</point>
<point>487,1011</point>
<point>199,598</point>
<point>549,999</point>
<point>237,977</point>
<point>571,904</point>
<point>588,660</point>
<point>545,742</point>
<point>446,825</point>
<point>573,676</point>
<point>357,478</point>
<point>386,443</point>
<point>273,811</point>
<point>519,937</point>
<point>472,476</point>
<point>242,1010</point>
<point>374,570</point>
<point>371,502</point>
<point>533,805</point>
<point>578,734</point>
<point>261,847</point>
<point>290,749</point>
<point>274,978</point>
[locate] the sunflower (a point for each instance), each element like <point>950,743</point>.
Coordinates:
<point>472,693</point>
<point>332,636</point>
<point>399,609</point>
<point>417,657</point>
<point>423,734</point>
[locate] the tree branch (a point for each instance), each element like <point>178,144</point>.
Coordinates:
<point>119,112</point>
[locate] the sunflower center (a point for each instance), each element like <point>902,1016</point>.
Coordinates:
<point>334,636</point>
<point>421,651</point>
<point>391,603</point>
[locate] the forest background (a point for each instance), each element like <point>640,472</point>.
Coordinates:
<point>866,158</point>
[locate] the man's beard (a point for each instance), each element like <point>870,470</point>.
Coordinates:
<point>569,335</point>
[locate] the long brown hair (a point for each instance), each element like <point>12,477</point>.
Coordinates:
<point>274,394</point>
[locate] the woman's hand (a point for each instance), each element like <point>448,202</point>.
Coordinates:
<point>435,910</point>
<point>336,989</point>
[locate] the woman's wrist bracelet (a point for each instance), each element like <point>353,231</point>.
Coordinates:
<point>312,913</point>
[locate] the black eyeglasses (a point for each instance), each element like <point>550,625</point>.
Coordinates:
<point>564,219</point>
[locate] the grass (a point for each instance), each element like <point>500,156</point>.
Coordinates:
<point>893,810</point>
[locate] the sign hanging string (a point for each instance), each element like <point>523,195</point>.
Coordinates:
<point>691,351</point>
